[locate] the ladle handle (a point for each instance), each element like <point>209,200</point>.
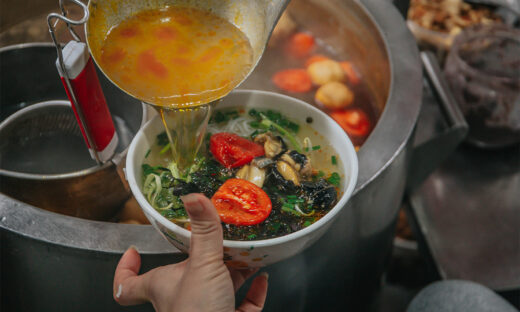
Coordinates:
<point>81,83</point>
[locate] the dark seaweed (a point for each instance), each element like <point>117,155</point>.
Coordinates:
<point>162,139</point>
<point>210,177</point>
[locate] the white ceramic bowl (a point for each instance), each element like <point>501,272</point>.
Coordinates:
<point>261,252</point>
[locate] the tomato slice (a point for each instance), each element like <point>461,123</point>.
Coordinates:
<point>232,150</point>
<point>293,80</point>
<point>240,202</point>
<point>354,121</point>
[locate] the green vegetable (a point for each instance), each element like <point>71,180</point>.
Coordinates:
<point>333,160</point>
<point>269,123</point>
<point>223,116</point>
<point>147,169</point>
<point>307,223</point>
<point>287,208</point>
<point>251,236</point>
<point>147,153</point>
<point>315,148</point>
<point>334,179</point>
<point>165,149</point>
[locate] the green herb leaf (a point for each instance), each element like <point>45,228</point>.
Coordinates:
<point>147,169</point>
<point>315,148</point>
<point>333,160</point>
<point>165,149</point>
<point>334,179</point>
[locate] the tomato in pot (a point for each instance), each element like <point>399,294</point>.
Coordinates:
<point>293,80</point>
<point>354,121</point>
<point>300,45</point>
<point>241,202</point>
<point>232,150</point>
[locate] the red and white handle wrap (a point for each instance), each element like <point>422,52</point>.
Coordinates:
<point>89,96</point>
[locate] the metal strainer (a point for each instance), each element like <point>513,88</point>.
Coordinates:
<point>43,138</point>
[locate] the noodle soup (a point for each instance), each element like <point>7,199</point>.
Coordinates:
<point>267,175</point>
<point>244,249</point>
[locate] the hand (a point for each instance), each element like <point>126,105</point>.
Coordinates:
<point>200,283</point>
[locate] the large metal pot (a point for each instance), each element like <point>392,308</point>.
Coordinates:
<point>65,263</point>
<point>90,192</point>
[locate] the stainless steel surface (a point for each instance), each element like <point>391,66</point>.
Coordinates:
<point>469,213</point>
<point>431,147</point>
<point>341,270</point>
<point>93,192</point>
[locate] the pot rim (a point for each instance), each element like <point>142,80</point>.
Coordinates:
<point>401,111</point>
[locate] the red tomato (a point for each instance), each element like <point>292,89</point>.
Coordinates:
<point>240,202</point>
<point>293,80</point>
<point>300,45</point>
<point>354,121</point>
<point>232,150</point>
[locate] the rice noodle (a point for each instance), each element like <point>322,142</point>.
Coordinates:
<point>239,126</point>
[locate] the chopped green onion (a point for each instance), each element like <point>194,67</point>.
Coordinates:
<point>315,148</point>
<point>254,124</point>
<point>334,179</point>
<point>333,160</point>
<point>290,210</point>
<point>251,236</point>
<point>307,223</point>
<point>288,205</point>
<point>165,149</point>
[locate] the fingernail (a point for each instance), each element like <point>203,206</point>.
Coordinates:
<point>119,291</point>
<point>265,274</point>
<point>133,247</point>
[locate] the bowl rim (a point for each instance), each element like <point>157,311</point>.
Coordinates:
<point>352,168</point>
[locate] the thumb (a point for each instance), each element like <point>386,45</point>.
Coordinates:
<point>206,231</point>
<point>129,287</point>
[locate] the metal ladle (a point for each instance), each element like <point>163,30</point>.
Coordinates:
<point>255,18</point>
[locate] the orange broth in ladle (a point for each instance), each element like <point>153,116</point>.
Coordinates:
<point>176,57</point>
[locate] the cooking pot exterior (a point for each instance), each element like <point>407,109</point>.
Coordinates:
<point>64,263</point>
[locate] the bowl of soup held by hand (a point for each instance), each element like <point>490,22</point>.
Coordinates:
<point>277,169</point>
